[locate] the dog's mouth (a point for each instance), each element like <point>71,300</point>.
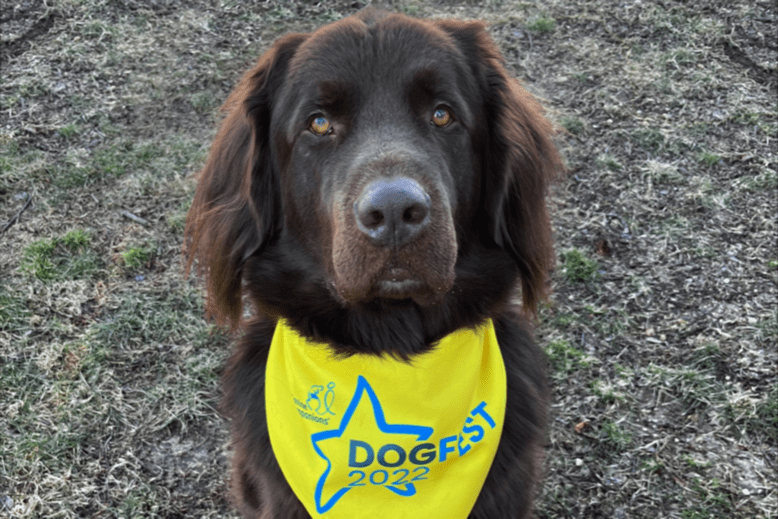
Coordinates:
<point>398,283</point>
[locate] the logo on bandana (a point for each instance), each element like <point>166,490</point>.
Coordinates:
<point>318,406</point>
<point>398,464</point>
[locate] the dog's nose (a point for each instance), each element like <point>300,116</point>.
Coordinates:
<point>392,211</point>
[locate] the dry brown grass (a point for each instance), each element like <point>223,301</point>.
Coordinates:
<point>661,335</point>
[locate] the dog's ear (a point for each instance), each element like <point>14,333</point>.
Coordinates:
<point>236,205</point>
<point>520,160</point>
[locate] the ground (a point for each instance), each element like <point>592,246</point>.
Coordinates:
<point>661,332</point>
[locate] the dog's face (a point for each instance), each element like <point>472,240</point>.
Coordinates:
<point>381,164</point>
<point>377,158</point>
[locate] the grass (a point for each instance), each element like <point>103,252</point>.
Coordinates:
<point>663,172</point>
<point>69,131</point>
<point>136,257</point>
<point>14,314</point>
<point>755,416</point>
<point>648,139</point>
<point>607,393</point>
<point>715,501</point>
<point>73,385</point>
<point>709,159</point>
<point>564,360</point>
<point>60,258</point>
<point>541,24</point>
<point>609,162</point>
<point>762,182</point>
<point>573,125</point>
<point>82,167</point>
<point>613,435</point>
<point>577,267</point>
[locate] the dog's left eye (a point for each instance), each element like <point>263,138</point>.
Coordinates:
<point>441,117</point>
<point>320,125</point>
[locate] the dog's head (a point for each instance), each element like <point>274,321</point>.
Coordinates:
<point>378,158</point>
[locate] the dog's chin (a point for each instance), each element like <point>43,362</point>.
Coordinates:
<point>395,287</point>
<point>405,291</point>
<point>398,284</point>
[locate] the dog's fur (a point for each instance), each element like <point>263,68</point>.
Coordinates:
<point>274,222</point>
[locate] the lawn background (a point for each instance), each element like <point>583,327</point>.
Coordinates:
<point>661,333</point>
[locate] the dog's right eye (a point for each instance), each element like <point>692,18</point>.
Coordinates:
<point>441,117</point>
<point>320,125</point>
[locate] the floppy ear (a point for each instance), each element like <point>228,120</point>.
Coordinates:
<point>236,207</point>
<point>520,160</point>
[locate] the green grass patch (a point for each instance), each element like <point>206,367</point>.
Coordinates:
<point>581,77</point>
<point>149,318</point>
<point>653,466</point>
<point>69,131</point>
<point>709,160</point>
<point>765,181</point>
<point>752,417</point>
<point>662,172</point>
<point>564,359</point>
<point>648,139</point>
<point>29,395</point>
<point>61,258</point>
<point>177,221</point>
<point>136,257</point>
<point>676,227</point>
<point>54,410</point>
<point>707,357</point>
<point>98,31</point>
<point>573,125</point>
<point>614,436</point>
<point>677,59</point>
<point>76,239</point>
<point>714,501</point>
<point>17,166</point>
<point>696,389</point>
<point>104,163</point>
<point>177,156</point>
<point>694,464</point>
<point>563,320</point>
<point>541,25</point>
<point>747,118</point>
<point>765,418</point>
<point>577,267</point>
<point>203,102</point>
<point>37,259</point>
<point>609,162</point>
<point>607,392</point>
<point>14,314</point>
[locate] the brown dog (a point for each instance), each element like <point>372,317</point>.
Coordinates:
<point>378,184</point>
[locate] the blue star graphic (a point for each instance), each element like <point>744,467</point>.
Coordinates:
<point>363,387</point>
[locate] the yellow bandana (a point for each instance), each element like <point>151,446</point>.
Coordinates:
<point>370,437</point>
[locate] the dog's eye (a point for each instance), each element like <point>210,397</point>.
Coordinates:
<point>320,125</point>
<point>441,117</point>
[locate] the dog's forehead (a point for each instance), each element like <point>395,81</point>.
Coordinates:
<point>388,50</point>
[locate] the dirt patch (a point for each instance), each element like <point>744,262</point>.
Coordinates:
<point>661,334</point>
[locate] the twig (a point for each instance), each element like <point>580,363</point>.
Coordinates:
<point>134,218</point>
<point>16,216</point>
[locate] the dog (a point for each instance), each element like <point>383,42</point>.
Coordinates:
<point>376,197</point>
